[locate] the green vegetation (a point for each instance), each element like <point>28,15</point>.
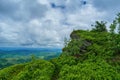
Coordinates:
<point>100,26</point>
<point>89,55</point>
<point>11,58</point>
<point>35,70</point>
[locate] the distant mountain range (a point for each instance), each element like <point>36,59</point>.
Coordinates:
<point>30,49</point>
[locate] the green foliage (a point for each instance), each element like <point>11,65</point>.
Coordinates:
<point>10,72</point>
<point>73,47</point>
<point>37,70</point>
<point>100,26</point>
<point>9,58</point>
<point>113,26</point>
<point>98,70</point>
<point>33,57</point>
<point>60,62</point>
<point>100,60</point>
<point>65,42</point>
<point>116,48</point>
<point>88,42</point>
<point>118,22</point>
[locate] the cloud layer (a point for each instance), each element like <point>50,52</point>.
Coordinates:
<point>45,23</point>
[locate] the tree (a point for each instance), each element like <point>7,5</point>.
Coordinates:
<point>100,26</point>
<point>65,42</point>
<point>118,22</point>
<point>113,26</point>
<point>116,38</point>
<point>33,57</point>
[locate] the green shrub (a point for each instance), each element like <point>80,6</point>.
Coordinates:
<point>35,70</point>
<point>99,70</point>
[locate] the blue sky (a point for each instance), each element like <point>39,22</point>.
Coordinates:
<point>45,23</point>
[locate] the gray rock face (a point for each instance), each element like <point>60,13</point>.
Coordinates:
<point>84,46</point>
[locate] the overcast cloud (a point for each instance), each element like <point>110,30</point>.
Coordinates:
<point>45,23</point>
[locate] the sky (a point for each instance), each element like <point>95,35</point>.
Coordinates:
<point>46,23</point>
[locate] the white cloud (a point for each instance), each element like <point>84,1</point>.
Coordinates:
<point>48,26</point>
<point>85,16</point>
